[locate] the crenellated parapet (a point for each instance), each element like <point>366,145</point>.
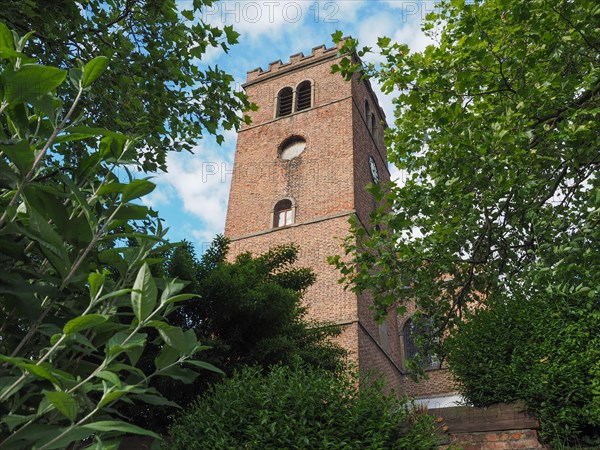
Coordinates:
<point>316,54</point>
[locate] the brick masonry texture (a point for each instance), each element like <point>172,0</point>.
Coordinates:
<point>326,184</point>
<point>497,440</point>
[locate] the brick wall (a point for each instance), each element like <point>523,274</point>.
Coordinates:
<point>497,440</point>
<point>498,427</point>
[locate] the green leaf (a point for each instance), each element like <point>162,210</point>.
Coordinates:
<point>118,344</point>
<point>40,372</point>
<point>136,189</point>
<point>65,403</point>
<point>75,75</point>
<point>20,154</point>
<point>204,365</point>
<point>116,425</point>
<point>83,323</point>
<point>14,420</point>
<point>111,188</point>
<point>6,40</point>
<point>383,42</point>
<point>110,397</point>
<point>143,297</point>
<point>184,375</point>
<point>172,335</point>
<point>32,82</point>
<point>189,15</point>
<point>93,70</point>
<point>51,243</point>
<point>179,298</point>
<point>167,356</point>
<point>337,36</point>
<point>157,400</point>
<point>21,43</point>
<point>95,280</point>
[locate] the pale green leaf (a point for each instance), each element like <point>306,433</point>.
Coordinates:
<point>20,154</point>
<point>204,365</point>
<point>116,425</point>
<point>6,40</point>
<point>93,70</point>
<point>84,322</point>
<point>136,189</point>
<point>143,298</point>
<point>31,82</point>
<point>95,280</point>
<point>65,403</point>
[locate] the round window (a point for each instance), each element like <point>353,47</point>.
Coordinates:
<point>292,148</point>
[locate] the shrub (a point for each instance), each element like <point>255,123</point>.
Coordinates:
<point>542,349</point>
<point>300,407</point>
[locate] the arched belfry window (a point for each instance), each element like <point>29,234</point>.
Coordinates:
<point>413,348</point>
<point>283,213</point>
<point>304,96</point>
<point>285,99</point>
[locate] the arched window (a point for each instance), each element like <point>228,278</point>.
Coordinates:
<point>303,96</point>
<point>412,350</point>
<point>284,102</point>
<point>283,213</point>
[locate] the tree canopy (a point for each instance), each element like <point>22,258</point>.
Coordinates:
<point>158,89</point>
<point>496,128</point>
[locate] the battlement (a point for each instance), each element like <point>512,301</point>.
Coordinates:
<point>316,54</point>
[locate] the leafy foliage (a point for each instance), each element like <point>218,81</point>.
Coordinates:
<point>249,311</point>
<point>497,130</point>
<point>157,88</point>
<point>299,407</point>
<point>77,303</point>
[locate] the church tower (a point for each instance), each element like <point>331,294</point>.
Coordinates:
<point>299,173</point>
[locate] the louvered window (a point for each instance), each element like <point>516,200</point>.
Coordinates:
<point>284,102</point>
<point>303,96</point>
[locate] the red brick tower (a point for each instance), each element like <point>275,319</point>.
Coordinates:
<point>300,171</point>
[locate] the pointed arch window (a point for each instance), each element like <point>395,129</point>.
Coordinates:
<point>304,96</point>
<point>283,213</point>
<point>413,348</point>
<point>285,99</point>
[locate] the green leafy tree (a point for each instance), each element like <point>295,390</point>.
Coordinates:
<point>300,407</point>
<point>497,129</point>
<point>158,88</point>
<point>249,311</point>
<point>76,303</point>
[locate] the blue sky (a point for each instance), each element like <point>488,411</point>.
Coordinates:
<point>192,196</point>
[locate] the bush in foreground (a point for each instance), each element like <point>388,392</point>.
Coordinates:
<point>299,407</point>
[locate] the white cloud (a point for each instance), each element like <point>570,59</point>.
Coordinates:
<point>257,18</point>
<point>412,35</point>
<point>201,183</point>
